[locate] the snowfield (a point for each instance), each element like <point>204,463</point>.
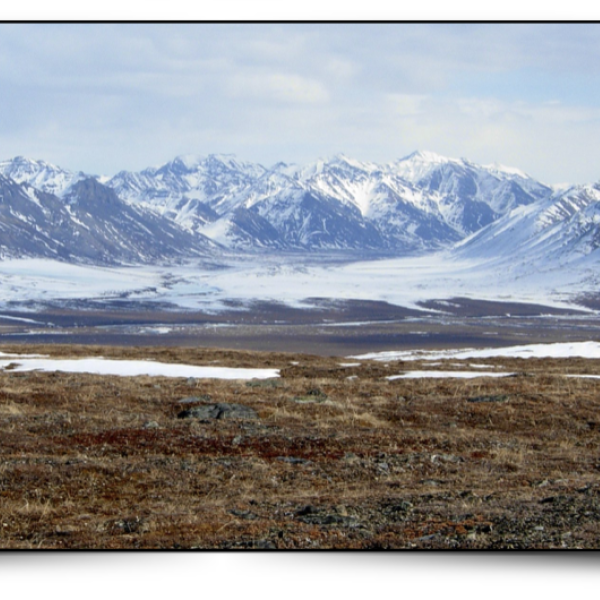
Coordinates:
<point>128,368</point>
<point>447,374</point>
<point>289,280</point>
<point>558,350</point>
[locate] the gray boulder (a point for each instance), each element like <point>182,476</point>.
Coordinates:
<point>220,410</point>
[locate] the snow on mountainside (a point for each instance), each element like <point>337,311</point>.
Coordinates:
<point>469,196</point>
<point>193,205</point>
<point>40,175</point>
<point>89,224</point>
<point>422,202</point>
<point>546,243</point>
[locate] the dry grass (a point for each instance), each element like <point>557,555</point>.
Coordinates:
<point>92,461</point>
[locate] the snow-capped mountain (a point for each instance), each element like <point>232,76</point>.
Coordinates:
<point>469,196</point>
<point>422,202</point>
<point>40,174</point>
<point>193,205</point>
<point>556,231</point>
<point>88,224</point>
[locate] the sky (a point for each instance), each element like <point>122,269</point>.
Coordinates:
<point>106,97</point>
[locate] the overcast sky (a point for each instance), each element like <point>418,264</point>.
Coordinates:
<point>102,98</point>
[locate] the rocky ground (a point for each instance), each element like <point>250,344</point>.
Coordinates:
<point>332,454</point>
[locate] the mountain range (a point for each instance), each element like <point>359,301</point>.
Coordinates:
<point>200,206</point>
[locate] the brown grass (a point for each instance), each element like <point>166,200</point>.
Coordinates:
<point>91,461</point>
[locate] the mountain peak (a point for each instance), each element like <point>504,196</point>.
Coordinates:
<point>420,164</point>
<point>187,161</point>
<point>39,174</point>
<point>427,156</point>
<point>504,170</point>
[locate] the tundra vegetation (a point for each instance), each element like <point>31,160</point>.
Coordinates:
<point>330,454</point>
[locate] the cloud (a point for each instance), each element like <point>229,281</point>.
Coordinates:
<point>106,97</point>
<point>278,87</point>
<point>406,105</point>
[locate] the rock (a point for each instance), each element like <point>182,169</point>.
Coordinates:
<point>243,514</point>
<point>314,516</point>
<point>402,506</point>
<point>265,545</point>
<point>264,383</point>
<point>312,396</point>
<point>220,410</point>
<point>151,425</point>
<point>427,538</point>
<point>431,482</point>
<point>195,399</point>
<point>293,460</point>
<point>436,458</point>
<point>127,525</point>
<point>493,398</point>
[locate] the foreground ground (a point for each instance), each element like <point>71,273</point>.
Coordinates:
<point>336,456</point>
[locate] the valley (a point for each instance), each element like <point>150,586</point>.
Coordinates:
<point>429,329</point>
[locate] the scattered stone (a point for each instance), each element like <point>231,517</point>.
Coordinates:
<point>314,516</point>
<point>351,457</point>
<point>436,458</point>
<point>151,425</point>
<point>427,538</point>
<point>402,507</point>
<point>312,396</point>
<point>195,399</point>
<point>127,525</point>
<point>293,460</point>
<point>265,383</point>
<point>243,514</point>
<point>220,410</point>
<point>492,398</point>
<point>432,482</point>
<point>264,545</point>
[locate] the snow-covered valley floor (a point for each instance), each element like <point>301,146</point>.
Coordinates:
<point>206,286</point>
<point>321,305</point>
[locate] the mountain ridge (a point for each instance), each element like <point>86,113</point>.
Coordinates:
<point>197,205</point>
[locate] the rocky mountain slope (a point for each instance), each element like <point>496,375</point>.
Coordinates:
<point>89,224</point>
<point>191,206</point>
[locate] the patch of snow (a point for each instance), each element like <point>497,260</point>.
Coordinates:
<point>155,330</point>
<point>447,374</point>
<point>130,368</point>
<point>557,350</point>
<point>21,320</point>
